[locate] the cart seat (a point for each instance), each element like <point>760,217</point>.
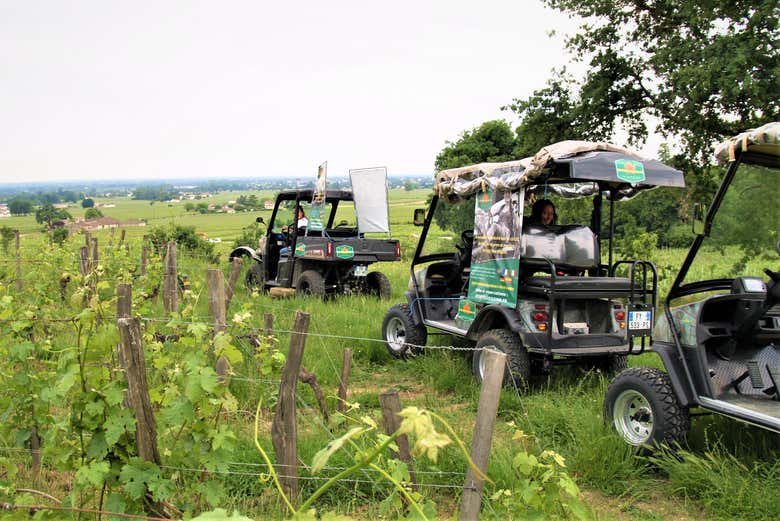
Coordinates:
<point>586,285</point>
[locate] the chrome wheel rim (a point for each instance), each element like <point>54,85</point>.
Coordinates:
<point>633,417</point>
<point>395,334</point>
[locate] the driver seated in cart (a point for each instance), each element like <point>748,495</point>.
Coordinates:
<point>299,225</point>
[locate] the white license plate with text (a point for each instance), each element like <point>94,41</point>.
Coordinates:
<point>639,319</point>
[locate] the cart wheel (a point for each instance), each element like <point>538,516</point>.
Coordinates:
<point>255,278</point>
<point>642,407</point>
<point>378,285</point>
<point>402,336</point>
<point>517,358</point>
<point>311,283</point>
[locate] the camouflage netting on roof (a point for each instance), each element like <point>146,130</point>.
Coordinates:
<point>456,184</point>
<point>761,140</point>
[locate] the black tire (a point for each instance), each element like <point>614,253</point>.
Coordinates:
<point>310,283</point>
<point>642,407</point>
<point>401,335</point>
<point>518,362</point>
<point>255,278</point>
<point>378,285</point>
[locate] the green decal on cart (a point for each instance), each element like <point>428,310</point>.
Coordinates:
<point>345,252</point>
<point>300,250</point>
<point>467,310</point>
<point>629,170</point>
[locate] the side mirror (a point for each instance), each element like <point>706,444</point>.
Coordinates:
<point>697,220</point>
<point>260,220</point>
<point>419,216</point>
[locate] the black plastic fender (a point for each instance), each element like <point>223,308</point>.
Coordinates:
<point>494,316</point>
<point>674,367</point>
<point>246,251</point>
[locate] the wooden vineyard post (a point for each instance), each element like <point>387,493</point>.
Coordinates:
<point>310,378</point>
<point>144,254</point>
<point>391,406</point>
<point>268,320</point>
<point>471,501</point>
<point>83,261</point>
<point>35,451</point>
<point>284,430</point>
<point>95,255</point>
<point>171,281</point>
<point>122,238</point>
<point>216,284</point>
<point>18,262</point>
<point>124,300</point>
<point>346,366</point>
<point>235,271</point>
<point>124,309</point>
<point>138,393</point>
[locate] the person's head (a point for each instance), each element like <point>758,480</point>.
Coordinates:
<point>299,212</point>
<point>543,212</point>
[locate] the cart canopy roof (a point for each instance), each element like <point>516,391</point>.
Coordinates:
<point>759,146</point>
<point>568,168</point>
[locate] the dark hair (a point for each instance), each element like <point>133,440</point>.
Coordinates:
<point>299,208</point>
<point>538,208</point>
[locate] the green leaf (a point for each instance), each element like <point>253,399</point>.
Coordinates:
<point>322,457</point>
<point>97,447</point>
<point>94,473</point>
<point>118,423</point>
<point>137,476</point>
<point>212,491</point>
<point>198,329</point>
<point>525,463</point>
<point>20,352</point>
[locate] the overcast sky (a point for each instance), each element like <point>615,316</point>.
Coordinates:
<point>163,89</point>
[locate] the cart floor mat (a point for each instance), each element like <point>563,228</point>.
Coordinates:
<point>745,373</point>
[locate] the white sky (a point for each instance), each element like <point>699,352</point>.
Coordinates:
<point>164,89</point>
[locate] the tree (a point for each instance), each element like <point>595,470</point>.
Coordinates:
<point>7,234</point>
<point>189,206</point>
<point>88,203</point>
<point>20,206</point>
<point>48,214</point>
<point>93,213</point>
<point>492,141</point>
<point>705,70</point>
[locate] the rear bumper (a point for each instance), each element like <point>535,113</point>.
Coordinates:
<point>575,345</point>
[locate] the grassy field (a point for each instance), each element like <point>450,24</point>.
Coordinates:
<point>726,471</point>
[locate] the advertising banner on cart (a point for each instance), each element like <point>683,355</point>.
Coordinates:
<point>318,199</point>
<point>495,262</point>
<point>369,188</point>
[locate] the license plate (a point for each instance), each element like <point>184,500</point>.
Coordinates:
<point>361,271</point>
<point>639,319</point>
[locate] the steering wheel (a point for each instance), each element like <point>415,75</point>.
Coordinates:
<point>467,241</point>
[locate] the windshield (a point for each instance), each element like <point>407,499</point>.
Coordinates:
<point>745,231</point>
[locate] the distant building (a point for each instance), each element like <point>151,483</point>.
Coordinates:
<point>269,204</point>
<point>101,223</point>
<point>4,211</point>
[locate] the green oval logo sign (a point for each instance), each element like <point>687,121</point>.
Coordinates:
<point>629,170</point>
<point>345,252</point>
<point>300,250</point>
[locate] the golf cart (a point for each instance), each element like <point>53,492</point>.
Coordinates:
<point>543,295</point>
<point>331,260</point>
<point>720,344</point>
